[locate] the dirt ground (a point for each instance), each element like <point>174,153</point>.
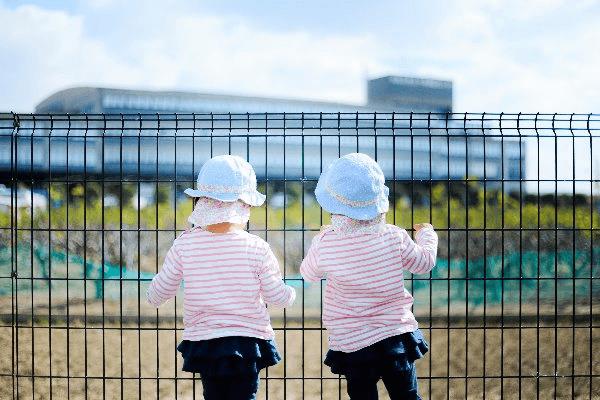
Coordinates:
<point>141,362</point>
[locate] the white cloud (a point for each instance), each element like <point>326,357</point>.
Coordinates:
<point>213,54</point>
<point>537,69</point>
<point>45,50</point>
<point>493,51</point>
<point>495,69</point>
<point>49,50</point>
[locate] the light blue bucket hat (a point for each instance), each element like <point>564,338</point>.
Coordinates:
<point>227,178</point>
<point>353,186</point>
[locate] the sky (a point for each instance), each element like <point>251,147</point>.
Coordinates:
<point>502,55</point>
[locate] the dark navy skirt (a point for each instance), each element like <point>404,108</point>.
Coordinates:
<point>228,356</point>
<point>396,352</point>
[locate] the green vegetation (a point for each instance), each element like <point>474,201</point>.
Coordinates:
<point>488,219</point>
<point>489,233</point>
<point>465,207</point>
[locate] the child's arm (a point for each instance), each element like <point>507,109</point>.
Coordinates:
<point>419,257</point>
<point>165,284</point>
<point>273,290</point>
<point>309,269</point>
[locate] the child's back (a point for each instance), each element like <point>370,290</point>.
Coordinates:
<point>373,333</point>
<point>365,297</point>
<point>225,275</point>
<point>228,277</point>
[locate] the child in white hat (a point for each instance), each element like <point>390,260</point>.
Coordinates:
<point>373,334</point>
<point>229,275</point>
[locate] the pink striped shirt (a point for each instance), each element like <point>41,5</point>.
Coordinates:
<point>365,299</point>
<point>227,277</point>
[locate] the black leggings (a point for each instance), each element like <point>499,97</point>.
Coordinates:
<point>230,388</point>
<point>401,385</point>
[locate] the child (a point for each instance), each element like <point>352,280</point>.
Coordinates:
<point>367,311</point>
<point>229,274</point>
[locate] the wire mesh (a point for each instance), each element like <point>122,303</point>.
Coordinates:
<point>91,203</point>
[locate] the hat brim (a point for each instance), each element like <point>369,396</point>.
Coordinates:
<point>334,206</point>
<point>254,199</point>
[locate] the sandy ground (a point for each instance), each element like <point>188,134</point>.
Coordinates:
<point>150,367</point>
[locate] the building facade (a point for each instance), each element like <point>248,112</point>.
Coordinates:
<point>401,93</point>
<point>171,134</point>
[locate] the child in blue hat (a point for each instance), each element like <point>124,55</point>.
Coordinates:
<point>372,331</point>
<point>229,275</point>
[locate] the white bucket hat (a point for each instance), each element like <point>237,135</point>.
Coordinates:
<point>354,186</point>
<point>227,178</point>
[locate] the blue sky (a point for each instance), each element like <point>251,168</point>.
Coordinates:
<point>502,55</point>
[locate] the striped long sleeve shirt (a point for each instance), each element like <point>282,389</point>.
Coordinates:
<point>228,278</point>
<point>365,299</point>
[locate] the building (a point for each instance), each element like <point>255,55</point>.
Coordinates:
<point>389,93</point>
<point>410,94</point>
<point>115,101</point>
<point>145,139</point>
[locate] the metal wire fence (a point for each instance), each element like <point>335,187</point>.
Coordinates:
<point>91,203</point>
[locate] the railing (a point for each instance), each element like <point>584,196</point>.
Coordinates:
<point>91,203</point>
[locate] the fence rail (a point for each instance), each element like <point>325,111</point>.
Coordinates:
<point>90,204</point>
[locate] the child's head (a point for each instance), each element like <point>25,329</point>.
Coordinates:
<point>354,186</point>
<point>226,189</point>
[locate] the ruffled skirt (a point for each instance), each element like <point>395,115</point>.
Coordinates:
<point>228,356</point>
<point>396,352</point>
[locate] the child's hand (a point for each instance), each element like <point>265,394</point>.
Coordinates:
<point>418,227</point>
